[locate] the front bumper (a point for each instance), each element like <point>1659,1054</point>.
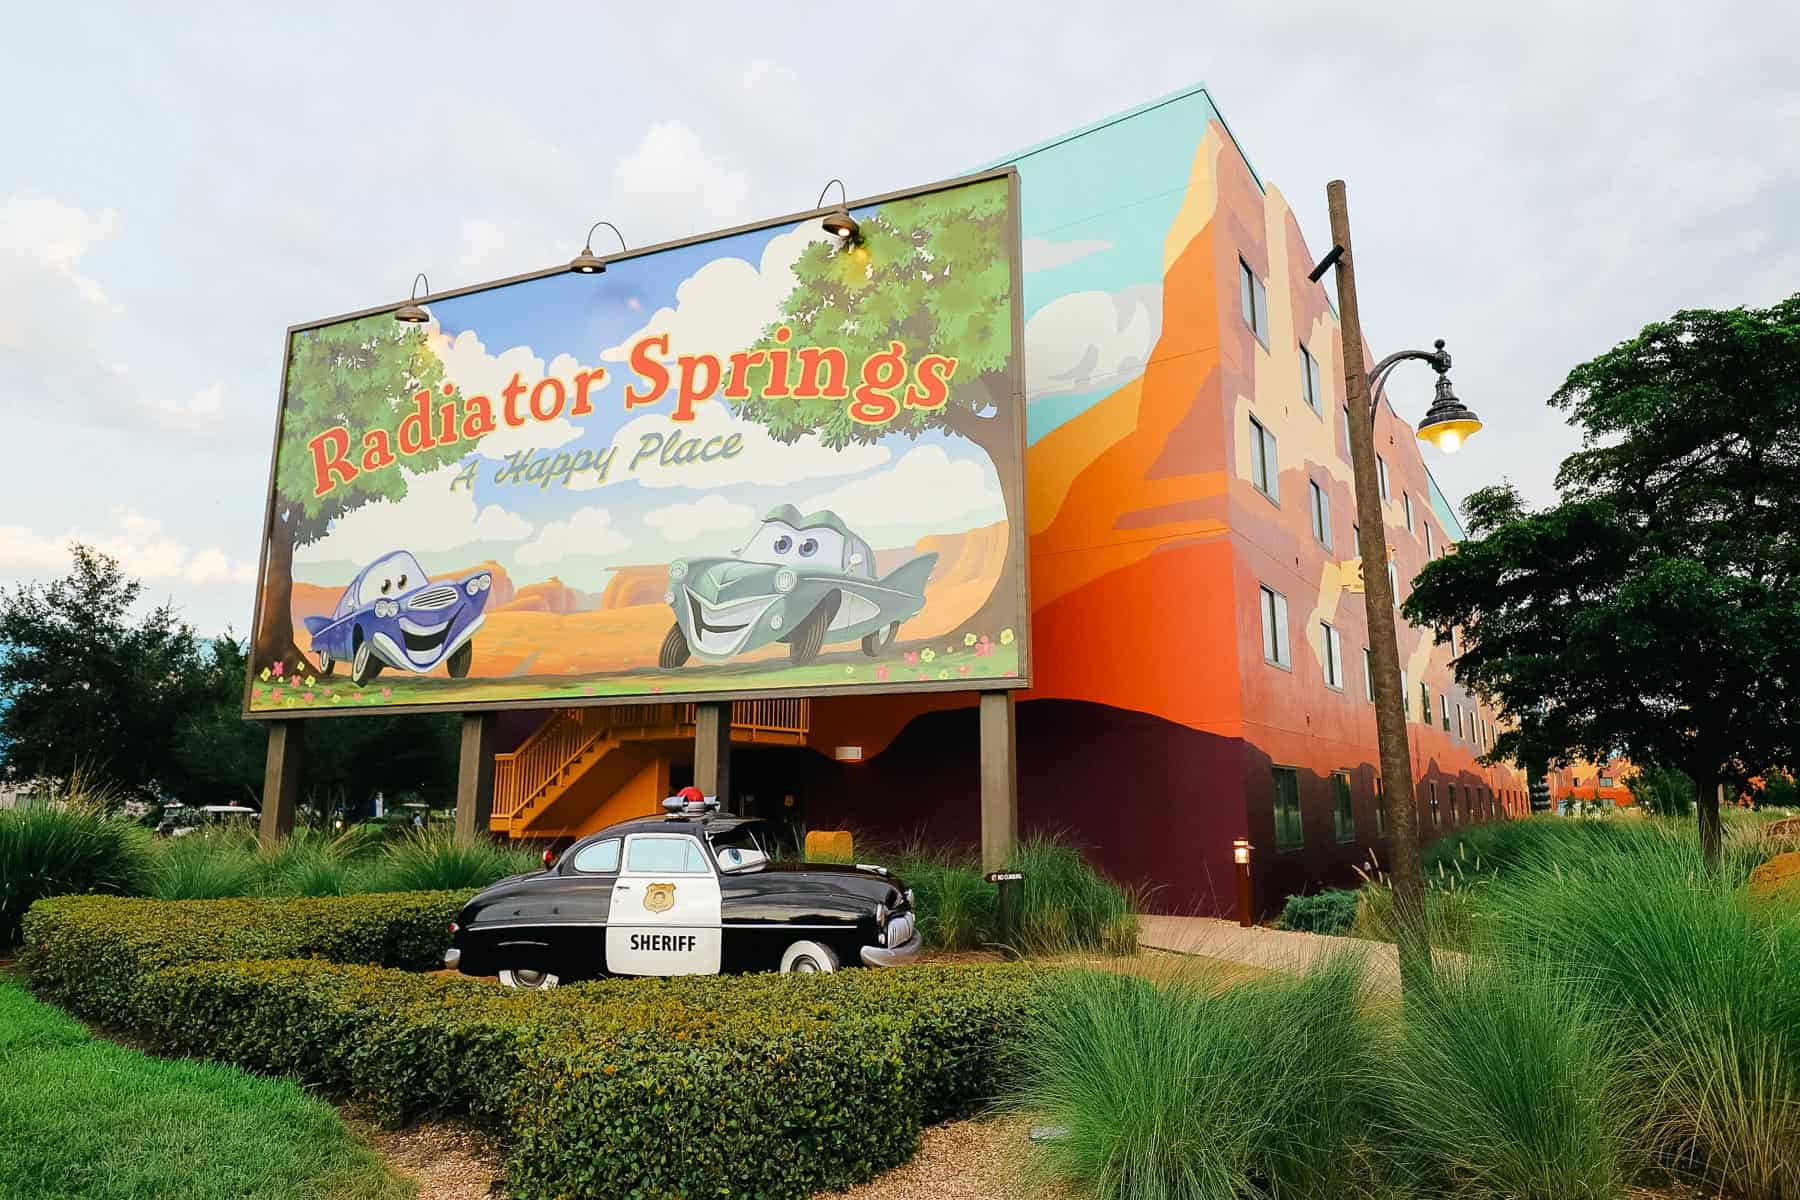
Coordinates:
<point>452,958</point>
<point>892,956</point>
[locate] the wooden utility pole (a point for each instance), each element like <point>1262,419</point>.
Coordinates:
<point>1404,873</point>
<point>281,780</point>
<point>999,779</point>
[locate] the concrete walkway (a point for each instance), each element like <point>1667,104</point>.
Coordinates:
<point>1270,949</point>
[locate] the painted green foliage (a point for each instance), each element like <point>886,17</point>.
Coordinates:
<point>362,375</point>
<point>934,272</point>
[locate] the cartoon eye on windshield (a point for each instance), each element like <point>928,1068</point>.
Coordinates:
<point>385,585</point>
<point>403,583</point>
<point>809,547</point>
<point>783,544</point>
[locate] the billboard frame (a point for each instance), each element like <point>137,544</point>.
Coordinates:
<point>1018,555</point>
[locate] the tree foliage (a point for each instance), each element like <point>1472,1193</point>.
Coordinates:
<point>87,684</point>
<point>1653,610</point>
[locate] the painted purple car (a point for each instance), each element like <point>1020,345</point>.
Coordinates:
<point>392,615</point>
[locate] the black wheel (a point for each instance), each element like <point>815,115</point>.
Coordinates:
<point>327,664</point>
<point>364,666</point>
<point>875,643</point>
<point>460,658</point>
<point>809,635</point>
<point>674,649</point>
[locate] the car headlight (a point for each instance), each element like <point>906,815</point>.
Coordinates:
<point>678,570</point>
<point>775,621</point>
<point>387,608</point>
<point>785,580</point>
<point>669,596</point>
<point>474,586</point>
<point>881,916</point>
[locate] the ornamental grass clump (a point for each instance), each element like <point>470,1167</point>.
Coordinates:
<point>73,848</point>
<point>1170,1090</point>
<point>207,864</point>
<point>434,860</point>
<point>1507,1084</point>
<point>1707,983</point>
<point>1065,904</point>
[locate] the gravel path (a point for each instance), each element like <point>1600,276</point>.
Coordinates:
<point>964,1160</point>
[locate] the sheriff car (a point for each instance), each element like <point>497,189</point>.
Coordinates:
<point>690,893</point>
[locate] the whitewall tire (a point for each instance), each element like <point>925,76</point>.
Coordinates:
<point>808,958</point>
<point>537,981</point>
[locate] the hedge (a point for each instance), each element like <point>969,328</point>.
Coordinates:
<point>763,1085</point>
<point>1330,911</point>
<point>88,953</point>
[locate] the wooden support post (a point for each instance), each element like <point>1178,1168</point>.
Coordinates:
<point>475,776</point>
<point>999,780</point>
<point>281,779</point>
<point>712,752</point>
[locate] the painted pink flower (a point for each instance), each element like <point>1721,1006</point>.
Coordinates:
<point>306,695</point>
<point>881,672</point>
<point>262,693</point>
<point>984,648</point>
<point>963,670</point>
<point>279,668</point>
<point>912,658</point>
<point>387,693</point>
<point>922,675</point>
<point>275,695</point>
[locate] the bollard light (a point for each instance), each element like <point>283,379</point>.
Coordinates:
<point>1240,852</point>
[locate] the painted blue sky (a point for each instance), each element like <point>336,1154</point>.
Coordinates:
<point>712,297</point>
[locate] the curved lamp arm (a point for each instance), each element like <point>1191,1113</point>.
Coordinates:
<point>843,196</point>
<point>1439,360</point>
<point>587,243</point>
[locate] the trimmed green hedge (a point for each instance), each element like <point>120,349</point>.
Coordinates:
<point>764,1085</point>
<point>88,953</point>
<point>1330,911</point>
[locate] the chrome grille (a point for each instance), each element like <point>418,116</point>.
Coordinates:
<point>900,929</point>
<point>437,597</point>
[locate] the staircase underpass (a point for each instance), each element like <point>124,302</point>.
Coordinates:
<point>585,768</point>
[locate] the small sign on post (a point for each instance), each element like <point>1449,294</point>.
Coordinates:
<point>1008,882</point>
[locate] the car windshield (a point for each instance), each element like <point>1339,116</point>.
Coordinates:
<point>779,543</point>
<point>389,577</point>
<point>738,849</point>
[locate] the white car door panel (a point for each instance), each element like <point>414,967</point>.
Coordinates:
<point>664,918</point>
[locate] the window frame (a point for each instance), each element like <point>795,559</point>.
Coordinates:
<point>618,845</point>
<point>1407,504</point>
<point>1265,459</point>
<point>1332,660</point>
<point>1319,502</point>
<point>1444,709</point>
<point>1343,808</point>
<point>1369,675</point>
<point>1381,477</point>
<point>1292,775</point>
<point>694,847</point>
<point>1312,383</point>
<point>1273,609</point>
<point>1253,301</point>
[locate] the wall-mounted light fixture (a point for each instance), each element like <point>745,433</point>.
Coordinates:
<point>410,312</point>
<point>838,222</point>
<point>587,262</point>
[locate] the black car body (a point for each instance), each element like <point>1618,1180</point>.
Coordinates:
<point>688,894</point>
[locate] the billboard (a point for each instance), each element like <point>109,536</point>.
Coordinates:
<point>770,461</point>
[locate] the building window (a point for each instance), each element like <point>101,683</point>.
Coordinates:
<point>1405,697</point>
<point>1275,628</point>
<point>1381,477</point>
<point>1435,819</point>
<point>1311,389</point>
<point>1406,503</point>
<point>1429,552</point>
<point>1333,657</point>
<point>1393,583</point>
<point>1380,806</point>
<point>1255,301</point>
<point>1321,513</point>
<point>1369,677</point>
<point>1346,431</point>
<point>1452,790</point>
<point>1444,710</point>
<point>1288,832</point>
<point>1343,812</point>
<point>1461,732</point>
<point>1424,702</point>
<point>1606,781</point>
<point>1265,468</point>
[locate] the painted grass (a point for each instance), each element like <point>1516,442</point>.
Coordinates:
<point>84,1119</point>
<point>951,664</point>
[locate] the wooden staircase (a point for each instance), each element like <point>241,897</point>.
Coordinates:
<point>603,747</point>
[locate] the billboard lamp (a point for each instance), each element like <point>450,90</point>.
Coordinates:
<point>410,312</point>
<point>586,262</point>
<point>838,222</point>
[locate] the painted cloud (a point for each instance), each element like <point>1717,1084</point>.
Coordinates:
<point>1090,340</point>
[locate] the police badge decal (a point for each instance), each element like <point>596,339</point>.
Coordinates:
<point>659,897</point>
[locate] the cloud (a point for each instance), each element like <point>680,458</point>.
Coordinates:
<point>725,305</point>
<point>672,185</point>
<point>431,517</point>
<point>584,533</point>
<point>1089,340</point>
<point>926,487</point>
<point>472,369</point>
<point>1040,254</point>
<point>762,460</point>
<point>685,522</point>
<point>141,544</point>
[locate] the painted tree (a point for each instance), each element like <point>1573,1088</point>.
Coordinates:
<point>361,374</point>
<point>1655,609</point>
<point>935,273</point>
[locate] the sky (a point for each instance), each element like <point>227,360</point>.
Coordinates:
<point>180,184</point>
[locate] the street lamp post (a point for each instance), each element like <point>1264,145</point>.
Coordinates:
<point>1446,425</point>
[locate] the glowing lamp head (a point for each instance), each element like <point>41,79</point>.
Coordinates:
<point>1240,852</point>
<point>586,263</point>
<point>1448,422</point>
<point>842,226</point>
<point>411,314</point>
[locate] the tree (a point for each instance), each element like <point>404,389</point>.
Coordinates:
<point>934,273</point>
<point>1655,609</point>
<point>1663,791</point>
<point>361,374</point>
<point>85,685</point>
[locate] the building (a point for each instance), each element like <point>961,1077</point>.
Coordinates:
<point>1200,651</point>
<point>1584,785</point>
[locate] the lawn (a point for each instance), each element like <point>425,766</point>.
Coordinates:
<point>84,1119</point>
